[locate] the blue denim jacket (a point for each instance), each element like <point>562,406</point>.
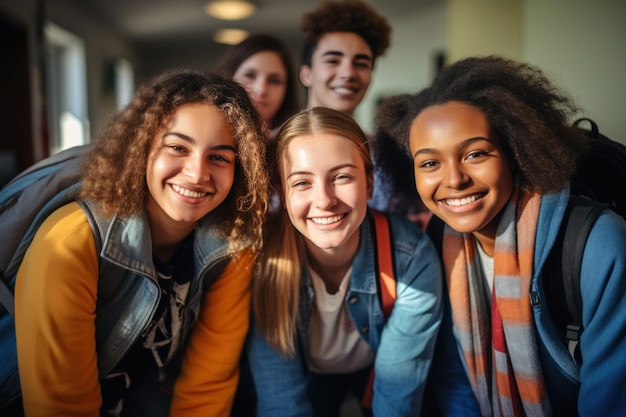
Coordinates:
<point>403,344</point>
<point>121,321</point>
<point>124,314</point>
<point>593,388</point>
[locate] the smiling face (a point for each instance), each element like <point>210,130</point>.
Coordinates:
<point>191,167</point>
<point>325,190</point>
<point>264,77</point>
<point>461,172</point>
<point>340,72</point>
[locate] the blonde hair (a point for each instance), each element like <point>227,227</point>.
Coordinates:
<point>278,287</point>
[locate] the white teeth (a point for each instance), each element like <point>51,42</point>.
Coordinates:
<point>462,201</point>
<point>342,90</point>
<point>327,220</point>
<point>188,193</point>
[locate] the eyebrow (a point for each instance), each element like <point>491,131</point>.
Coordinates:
<point>339,53</point>
<point>192,141</point>
<point>461,145</point>
<point>337,168</point>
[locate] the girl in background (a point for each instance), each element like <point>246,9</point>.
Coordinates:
<point>264,66</point>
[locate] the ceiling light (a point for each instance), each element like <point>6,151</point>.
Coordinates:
<point>230,36</point>
<point>230,9</point>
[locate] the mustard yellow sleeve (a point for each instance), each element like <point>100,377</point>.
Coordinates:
<point>210,372</point>
<point>55,299</point>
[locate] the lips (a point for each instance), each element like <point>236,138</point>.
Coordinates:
<point>457,202</point>
<point>327,220</point>
<point>345,90</point>
<point>188,193</point>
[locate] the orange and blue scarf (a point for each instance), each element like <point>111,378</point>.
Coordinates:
<point>499,341</point>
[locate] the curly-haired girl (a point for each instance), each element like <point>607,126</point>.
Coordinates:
<point>493,152</point>
<point>179,175</point>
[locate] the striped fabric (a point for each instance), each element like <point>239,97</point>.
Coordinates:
<point>500,349</point>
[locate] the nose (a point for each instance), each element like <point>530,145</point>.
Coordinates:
<point>258,88</point>
<point>197,169</point>
<point>455,176</point>
<point>347,70</point>
<point>324,197</point>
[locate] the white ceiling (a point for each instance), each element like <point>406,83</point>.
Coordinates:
<point>148,21</point>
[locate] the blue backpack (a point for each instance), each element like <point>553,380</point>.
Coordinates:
<point>25,202</point>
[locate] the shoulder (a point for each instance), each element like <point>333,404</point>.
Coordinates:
<point>606,245</point>
<point>68,222</point>
<point>408,236</point>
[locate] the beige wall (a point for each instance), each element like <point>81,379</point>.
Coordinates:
<point>482,27</point>
<point>580,44</point>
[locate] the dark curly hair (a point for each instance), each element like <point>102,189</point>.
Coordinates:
<point>394,166</point>
<point>345,16</point>
<point>114,170</point>
<point>261,42</point>
<point>529,113</point>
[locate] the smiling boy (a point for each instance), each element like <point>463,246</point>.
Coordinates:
<point>342,41</point>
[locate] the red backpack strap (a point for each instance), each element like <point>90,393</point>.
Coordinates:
<point>387,283</point>
<point>387,280</point>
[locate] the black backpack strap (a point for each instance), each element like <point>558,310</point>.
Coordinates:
<point>565,260</point>
<point>6,297</point>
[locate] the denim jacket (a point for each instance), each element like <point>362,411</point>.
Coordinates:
<point>127,249</point>
<point>126,310</point>
<point>593,388</point>
<point>403,344</point>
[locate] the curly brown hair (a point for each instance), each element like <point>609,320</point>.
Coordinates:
<point>392,163</point>
<point>345,16</point>
<point>529,113</point>
<point>114,170</point>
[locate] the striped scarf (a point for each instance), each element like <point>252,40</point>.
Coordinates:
<point>500,351</point>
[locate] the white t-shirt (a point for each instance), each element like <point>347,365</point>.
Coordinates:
<point>335,345</point>
<point>486,262</point>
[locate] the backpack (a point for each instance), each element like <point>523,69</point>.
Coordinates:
<point>591,191</point>
<point>25,203</point>
<point>603,166</point>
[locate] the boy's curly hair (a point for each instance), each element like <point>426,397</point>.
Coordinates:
<point>530,115</point>
<point>114,170</point>
<point>345,16</point>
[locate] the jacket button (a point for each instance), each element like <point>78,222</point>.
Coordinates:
<point>352,300</point>
<point>365,329</point>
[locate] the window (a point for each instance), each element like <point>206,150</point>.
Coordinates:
<point>66,89</point>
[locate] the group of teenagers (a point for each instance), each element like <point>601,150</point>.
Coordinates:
<point>244,224</point>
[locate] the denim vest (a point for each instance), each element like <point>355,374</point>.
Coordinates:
<point>122,318</point>
<point>125,311</point>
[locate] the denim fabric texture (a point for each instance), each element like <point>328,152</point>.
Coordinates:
<point>403,344</point>
<point>121,320</point>
<point>593,388</point>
